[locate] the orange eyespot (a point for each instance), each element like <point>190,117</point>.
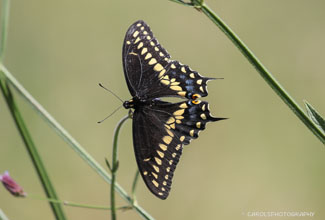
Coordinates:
<point>195,96</point>
<point>195,102</point>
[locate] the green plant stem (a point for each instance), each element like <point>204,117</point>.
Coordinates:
<point>267,76</point>
<point>134,186</point>
<point>115,165</point>
<point>3,216</point>
<point>33,153</point>
<point>4,26</point>
<point>73,204</point>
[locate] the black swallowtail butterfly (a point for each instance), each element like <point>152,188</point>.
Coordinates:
<point>160,128</point>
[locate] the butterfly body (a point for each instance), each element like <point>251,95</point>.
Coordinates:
<point>161,128</point>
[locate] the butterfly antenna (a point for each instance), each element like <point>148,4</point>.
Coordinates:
<point>110,115</point>
<point>110,92</point>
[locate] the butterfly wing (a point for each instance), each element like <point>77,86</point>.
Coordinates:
<point>159,133</point>
<point>150,72</point>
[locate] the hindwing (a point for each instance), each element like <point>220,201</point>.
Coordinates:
<point>159,133</point>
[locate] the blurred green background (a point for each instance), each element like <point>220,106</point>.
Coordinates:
<point>261,159</point>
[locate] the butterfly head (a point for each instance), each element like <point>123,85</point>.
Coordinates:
<point>128,104</point>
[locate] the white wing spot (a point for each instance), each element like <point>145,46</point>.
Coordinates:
<point>152,61</point>
<point>170,133</point>
<point>179,112</point>
<point>158,67</point>
<point>161,154</point>
<point>158,161</point>
<point>165,82</point>
<point>148,56</point>
<point>167,139</point>
<point>140,45</point>
<point>183,105</point>
<point>156,168</point>
<point>155,175</point>
<point>144,50</point>
<point>135,34</point>
<point>176,88</point>
<point>163,147</point>
<point>137,40</point>
<point>203,116</point>
<point>162,73</point>
<point>170,120</point>
<point>155,183</point>
<point>182,93</point>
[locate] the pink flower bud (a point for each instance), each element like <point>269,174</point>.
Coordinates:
<point>11,185</point>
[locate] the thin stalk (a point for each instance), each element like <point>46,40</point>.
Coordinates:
<point>266,74</point>
<point>78,205</point>
<point>64,134</point>
<point>32,151</point>
<point>3,215</point>
<point>134,186</point>
<point>115,165</point>
<point>4,26</point>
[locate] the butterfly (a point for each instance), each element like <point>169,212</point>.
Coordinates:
<point>161,128</point>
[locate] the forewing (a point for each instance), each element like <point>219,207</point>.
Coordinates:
<point>142,53</point>
<point>159,133</point>
<point>150,72</point>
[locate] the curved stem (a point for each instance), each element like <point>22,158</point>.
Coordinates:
<point>266,74</point>
<point>4,26</point>
<point>114,166</point>
<point>134,186</point>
